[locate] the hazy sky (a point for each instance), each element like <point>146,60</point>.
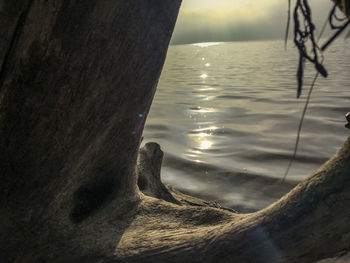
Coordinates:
<point>236,20</point>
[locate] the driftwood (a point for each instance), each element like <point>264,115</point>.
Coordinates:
<point>77,79</point>
<point>309,223</point>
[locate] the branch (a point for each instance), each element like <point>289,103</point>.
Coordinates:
<point>308,224</point>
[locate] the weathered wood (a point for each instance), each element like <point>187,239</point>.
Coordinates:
<point>308,224</point>
<point>76,82</point>
<point>149,182</point>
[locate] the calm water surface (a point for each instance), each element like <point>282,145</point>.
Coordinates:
<point>226,116</point>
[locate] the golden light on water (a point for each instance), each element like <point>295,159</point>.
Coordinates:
<point>200,140</point>
<point>206,110</point>
<point>204,76</point>
<point>207,89</point>
<point>206,44</point>
<point>203,141</point>
<point>205,145</point>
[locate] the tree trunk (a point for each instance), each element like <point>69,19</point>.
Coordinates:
<point>77,79</point>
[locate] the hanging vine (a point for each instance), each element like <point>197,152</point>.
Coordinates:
<point>304,33</point>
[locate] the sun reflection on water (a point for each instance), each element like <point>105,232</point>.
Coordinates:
<point>205,145</point>
<point>199,140</point>
<point>206,44</point>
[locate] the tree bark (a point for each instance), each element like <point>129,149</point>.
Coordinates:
<point>76,82</point>
<point>77,79</point>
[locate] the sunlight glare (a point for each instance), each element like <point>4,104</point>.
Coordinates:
<point>209,44</point>
<point>205,145</point>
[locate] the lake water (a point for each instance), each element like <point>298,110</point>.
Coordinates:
<point>226,116</point>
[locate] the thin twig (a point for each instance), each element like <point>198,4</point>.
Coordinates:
<point>322,30</point>
<point>340,30</point>
<point>300,127</point>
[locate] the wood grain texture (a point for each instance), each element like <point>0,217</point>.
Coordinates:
<point>77,81</point>
<point>78,78</point>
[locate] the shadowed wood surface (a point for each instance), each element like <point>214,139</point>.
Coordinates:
<point>76,82</point>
